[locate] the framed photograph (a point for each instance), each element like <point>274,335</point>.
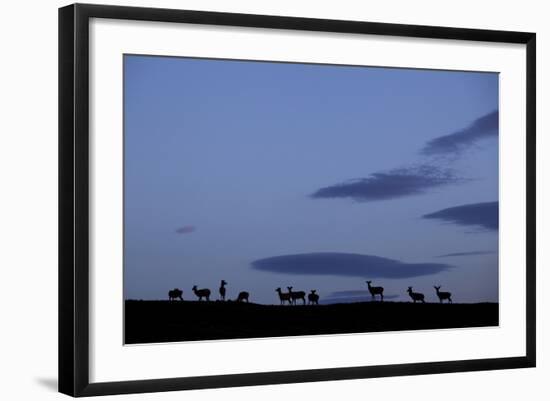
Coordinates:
<point>251,199</point>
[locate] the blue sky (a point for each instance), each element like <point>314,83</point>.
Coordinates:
<point>318,177</point>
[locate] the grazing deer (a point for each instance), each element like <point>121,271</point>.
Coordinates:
<point>204,292</point>
<point>175,294</point>
<point>294,295</point>
<point>443,294</point>
<point>376,291</point>
<point>313,298</point>
<point>416,296</point>
<point>243,296</point>
<point>283,296</point>
<point>222,290</point>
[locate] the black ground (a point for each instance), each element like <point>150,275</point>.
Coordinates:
<point>164,321</point>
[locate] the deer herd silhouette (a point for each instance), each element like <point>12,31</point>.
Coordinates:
<point>292,297</point>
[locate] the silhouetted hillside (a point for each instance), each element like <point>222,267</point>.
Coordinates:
<point>164,321</point>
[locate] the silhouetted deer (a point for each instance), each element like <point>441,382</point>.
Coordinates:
<point>313,298</point>
<point>376,291</point>
<point>443,295</point>
<point>175,294</point>
<point>243,296</point>
<point>222,290</point>
<point>205,292</point>
<point>283,296</point>
<point>294,295</point>
<point>416,296</point>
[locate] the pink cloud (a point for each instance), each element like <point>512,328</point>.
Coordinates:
<point>186,229</point>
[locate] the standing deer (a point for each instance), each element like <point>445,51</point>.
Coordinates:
<point>443,294</point>
<point>294,295</point>
<point>416,296</point>
<point>175,294</point>
<point>222,290</point>
<point>204,292</point>
<point>313,298</point>
<point>243,296</point>
<point>376,291</point>
<point>283,296</point>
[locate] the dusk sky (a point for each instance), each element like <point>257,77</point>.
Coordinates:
<point>318,177</point>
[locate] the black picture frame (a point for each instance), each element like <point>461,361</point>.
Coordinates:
<point>74,198</point>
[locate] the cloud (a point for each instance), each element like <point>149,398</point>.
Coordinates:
<point>473,253</point>
<point>484,127</point>
<point>346,264</point>
<point>484,215</point>
<point>391,184</point>
<point>342,300</point>
<point>349,293</point>
<point>186,229</point>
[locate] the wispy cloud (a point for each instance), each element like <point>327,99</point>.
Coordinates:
<point>483,127</point>
<point>484,215</point>
<point>186,229</point>
<point>349,293</point>
<point>473,253</point>
<point>346,264</point>
<point>419,179</point>
<point>391,184</point>
<point>350,299</point>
